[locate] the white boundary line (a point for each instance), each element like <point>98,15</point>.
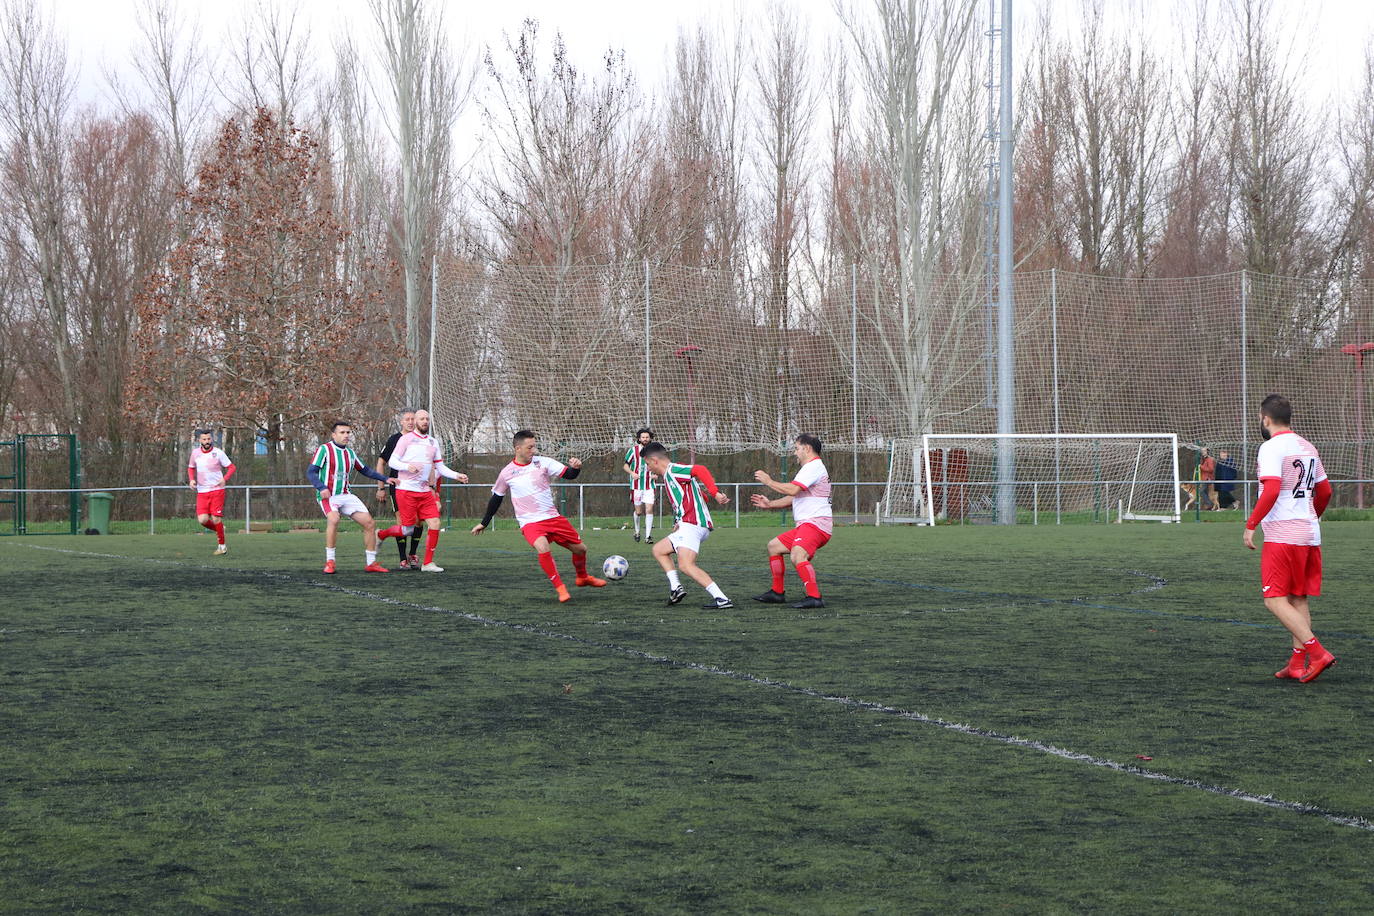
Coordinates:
<point>1267,801</point>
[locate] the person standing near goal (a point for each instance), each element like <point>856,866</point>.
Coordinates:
<point>1294,495</point>
<point>526,478</point>
<point>208,471</point>
<point>641,485</point>
<point>409,560</point>
<point>328,472</point>
<point>684,484</point>
<point>420,462</point>
<point>808,494</point>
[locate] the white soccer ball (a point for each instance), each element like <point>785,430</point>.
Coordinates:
<point>615,567</point>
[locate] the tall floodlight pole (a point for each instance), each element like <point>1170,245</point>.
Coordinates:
<point>1006,364</point>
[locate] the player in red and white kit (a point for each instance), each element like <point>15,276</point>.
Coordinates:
<point>526,479</point>
<point>1294,495</point>
<point>208,471</point>
<point>419,463</point>
<point>809,496</point>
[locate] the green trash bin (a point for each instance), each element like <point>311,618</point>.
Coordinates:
<point>98,511</point>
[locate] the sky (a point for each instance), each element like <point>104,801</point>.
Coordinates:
<point>101,32</point>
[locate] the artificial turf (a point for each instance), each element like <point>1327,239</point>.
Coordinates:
<point>961,729</point>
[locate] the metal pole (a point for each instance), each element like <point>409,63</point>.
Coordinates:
<point>647,333</point>
<point>854,375</point>
<point>247,510</point>
<point>1244,380</point>
<point>1006,367</point>
<point>152,510</point>
<point>433,326</point>
<point>1359,430</point>
<point>1054,355</point>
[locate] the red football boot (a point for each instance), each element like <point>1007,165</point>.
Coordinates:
<point>593,581</point>
<point>375,567</point>
<point>329,566</point>
<point>1318,660</point>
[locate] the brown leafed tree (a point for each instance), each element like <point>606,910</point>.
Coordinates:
<point>266,322</point>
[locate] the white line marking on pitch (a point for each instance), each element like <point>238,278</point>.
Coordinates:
<point>1267,801</point>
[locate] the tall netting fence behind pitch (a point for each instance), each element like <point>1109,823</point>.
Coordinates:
<point>723,362</point>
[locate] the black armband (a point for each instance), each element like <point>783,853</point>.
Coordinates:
<point>493,505</point>
<point>571,473</point>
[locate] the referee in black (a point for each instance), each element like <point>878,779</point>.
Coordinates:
<point>408,560</point>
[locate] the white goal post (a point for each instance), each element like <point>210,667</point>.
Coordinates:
<point>1106,476</point>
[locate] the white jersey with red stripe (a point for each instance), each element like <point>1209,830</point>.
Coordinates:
<point>209,467</point>
<point>812,505</point>
<point>421,452</point>
<point>1295,462</point>
<point>531,496</point>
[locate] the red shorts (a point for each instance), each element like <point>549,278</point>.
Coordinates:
<point>1290,569</point>
<point>557,529</point>
<point>806,536</point>
<point>415,505</point>
<point>211,503</point>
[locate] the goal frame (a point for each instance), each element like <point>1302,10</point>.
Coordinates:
<point>1124,513</point>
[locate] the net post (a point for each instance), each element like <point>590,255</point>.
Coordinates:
<point>647,336</point>
<point>854,376</point>
<point>930,490</point>
<point>433,324</point>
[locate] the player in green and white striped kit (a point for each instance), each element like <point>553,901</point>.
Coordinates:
<point>642,484</point>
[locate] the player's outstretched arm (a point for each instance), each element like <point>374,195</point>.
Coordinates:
<point>493,505</point>
<point>446,471</point>
<point>786,489</point>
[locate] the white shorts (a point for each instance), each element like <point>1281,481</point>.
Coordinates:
<point>688,537</point>
<point>642,497</point>
<point>346,504</point>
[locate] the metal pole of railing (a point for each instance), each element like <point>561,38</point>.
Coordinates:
<point>581,513</point>
<point>736,505</point>
<point>152,510</point>
<point>247,509</point>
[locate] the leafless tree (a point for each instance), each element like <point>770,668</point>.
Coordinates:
<point>427,86</point>
<point>273,59</point>
<point>36,87</point>
<point>917,74</point>
<point>1272,144</point>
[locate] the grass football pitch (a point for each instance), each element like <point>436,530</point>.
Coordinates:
<point>1076,719</point>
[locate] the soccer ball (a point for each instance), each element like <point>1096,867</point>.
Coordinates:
<point>615,567</point>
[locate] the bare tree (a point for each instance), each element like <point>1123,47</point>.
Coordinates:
<point>273,59</point>
<point>428,84</point>
<point>788,98</point>
<point>916,69</point>
<point>176,74</point>
<point>35,96</point>
<point>1272,145</point>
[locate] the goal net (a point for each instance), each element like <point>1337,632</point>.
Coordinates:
<point>1067,477</point>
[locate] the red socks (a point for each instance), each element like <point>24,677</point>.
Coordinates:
<point>550,569</point>
<point>216,527</point>
<point>778,567</point>
<point>580,564</point>
<point>807,572</point>
<point>393,532</point>
<point>431,541</point>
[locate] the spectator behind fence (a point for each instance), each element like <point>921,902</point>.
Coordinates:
<point>1225,477</point>
<point>1207,472</point>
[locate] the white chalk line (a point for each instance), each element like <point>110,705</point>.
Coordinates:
<point>1268,801</point>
